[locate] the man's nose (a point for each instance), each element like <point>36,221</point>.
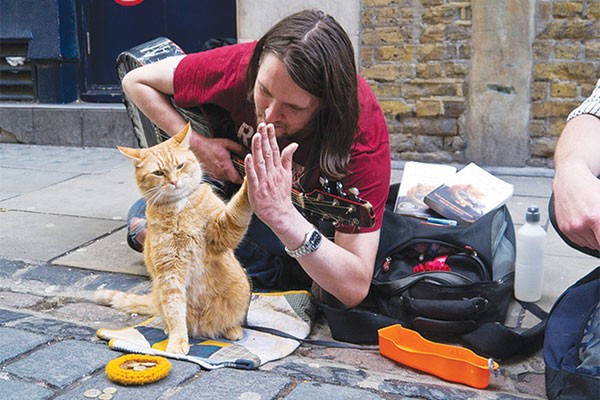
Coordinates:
<point>273,111</point>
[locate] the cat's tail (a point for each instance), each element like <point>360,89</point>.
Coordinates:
<point>128,302</point>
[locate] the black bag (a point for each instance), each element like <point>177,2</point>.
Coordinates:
<point>572,342</point>
<point>468,303</point>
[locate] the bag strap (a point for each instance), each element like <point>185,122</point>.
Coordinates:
<point>494,338</point>
<point>355,325</point>
<point>491,339</point>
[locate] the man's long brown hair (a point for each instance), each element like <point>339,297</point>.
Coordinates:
<point>319,57</point>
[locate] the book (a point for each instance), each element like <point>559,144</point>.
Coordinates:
<point>468,195</point>
<point>418,179</point>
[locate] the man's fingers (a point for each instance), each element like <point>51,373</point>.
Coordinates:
<point>287,155</point>
<point>270,155</point>
<point>272,143</point>
<point>257,155</point>
<point>250,171</point>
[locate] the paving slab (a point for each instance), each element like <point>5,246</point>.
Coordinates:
<point>9,267</point>
<point>96,316</point>
<point>59,330</point>
<point>110,253</point>
<point>342,371</point>
<point>108,195</point>
<point>19,390</point>
<point>62,363</point>
<point>54,276</point>
<point>119,281</point>
<point>315,390</point>
<point>16,182</point>
<point>8,316</point>
<point>15,342</point>
<point>61,158</point>
<point>230,383</point>
<point>18,300</point>
<point>540,187</point>
<point>35,236</point>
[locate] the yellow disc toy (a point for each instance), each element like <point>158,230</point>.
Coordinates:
<point>137,369</point>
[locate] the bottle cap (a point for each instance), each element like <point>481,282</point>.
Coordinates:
<point>533,214</point>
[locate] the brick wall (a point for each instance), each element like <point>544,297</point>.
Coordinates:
<point>566,68</point>
<point>416,55</point>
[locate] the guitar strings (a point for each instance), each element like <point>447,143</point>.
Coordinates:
<point>313,205</point>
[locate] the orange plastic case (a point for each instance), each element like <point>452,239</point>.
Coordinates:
<point>452,363</point>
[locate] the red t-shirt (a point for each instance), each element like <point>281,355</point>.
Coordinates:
<point>218,76</point>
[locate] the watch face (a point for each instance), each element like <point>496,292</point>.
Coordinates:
<point>315,240</point>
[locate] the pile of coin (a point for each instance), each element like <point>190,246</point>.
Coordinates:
<point>138,366</point>
<point>104,394</point>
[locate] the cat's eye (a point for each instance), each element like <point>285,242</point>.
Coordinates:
<point>180,165</point>
<point>158,172</point>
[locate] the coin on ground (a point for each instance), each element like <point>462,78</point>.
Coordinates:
<point>92,393</point>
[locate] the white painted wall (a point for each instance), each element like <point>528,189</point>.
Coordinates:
<point>255,17</point>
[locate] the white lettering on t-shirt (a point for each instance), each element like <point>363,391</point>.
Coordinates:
<point>245,134</point>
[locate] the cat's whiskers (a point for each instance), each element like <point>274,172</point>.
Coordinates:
<point>155,196</point>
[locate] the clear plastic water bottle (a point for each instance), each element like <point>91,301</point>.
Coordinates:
<point>529,269</point>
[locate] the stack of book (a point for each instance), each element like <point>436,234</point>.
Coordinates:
<point>440,194</point>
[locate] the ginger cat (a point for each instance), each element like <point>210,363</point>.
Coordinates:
<point>198,286</point>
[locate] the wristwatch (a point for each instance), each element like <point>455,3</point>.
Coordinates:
<point>312,241</point>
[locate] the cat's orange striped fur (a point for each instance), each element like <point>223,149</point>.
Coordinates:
<point>198,286</point>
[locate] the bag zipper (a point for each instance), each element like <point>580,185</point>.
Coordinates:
<point>466,250</point>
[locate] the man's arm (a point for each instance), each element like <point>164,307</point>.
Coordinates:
<point>576,185</point>
<point>149,87</point>
<point>343,268</point>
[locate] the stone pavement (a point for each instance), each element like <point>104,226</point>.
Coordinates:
<point>62,235</point>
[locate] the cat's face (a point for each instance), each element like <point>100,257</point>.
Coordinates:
<point>167,172</point>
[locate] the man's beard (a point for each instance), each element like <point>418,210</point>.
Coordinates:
<point>282,131</point>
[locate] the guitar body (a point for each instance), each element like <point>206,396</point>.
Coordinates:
<point>328,204</point>
<point>145,131</point>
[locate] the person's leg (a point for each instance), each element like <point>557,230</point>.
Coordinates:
<point>552,216</point>
<point>136,225</point>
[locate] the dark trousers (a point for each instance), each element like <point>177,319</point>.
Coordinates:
<point>267,263</point>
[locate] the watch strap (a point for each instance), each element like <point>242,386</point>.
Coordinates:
<point>312,241</point>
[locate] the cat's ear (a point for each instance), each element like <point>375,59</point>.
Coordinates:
<point>129,152</point>
<point>183,136</point>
